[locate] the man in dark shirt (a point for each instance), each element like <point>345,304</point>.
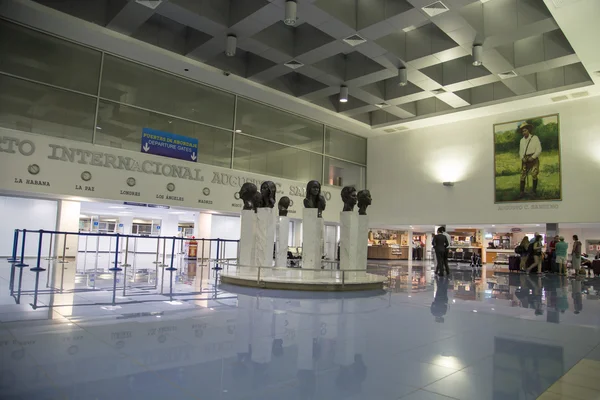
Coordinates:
<point>440,244</point>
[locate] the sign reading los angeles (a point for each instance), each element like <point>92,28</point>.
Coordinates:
<point>170,145</point>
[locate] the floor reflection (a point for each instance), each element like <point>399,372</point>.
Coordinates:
<point>477,334</point>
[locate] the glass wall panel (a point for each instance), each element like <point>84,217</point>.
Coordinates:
<point>121,126</point>
<point>345,145</point>
<point>135,84</point>
<point>34,55</point>
<point>269,123</point>
<point>33,107</point>
<point>261,157</point>
<point>341,173</point>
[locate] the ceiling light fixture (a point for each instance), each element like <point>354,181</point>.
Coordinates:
<point>291,9</point>
<point>343,94</point>
<point>403,75</point>
<point>477,55</point>
<point>230,45</point>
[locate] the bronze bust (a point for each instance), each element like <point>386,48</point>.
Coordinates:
<point>249,195</point>
<point>314,198</point>
<point>267,193</point>
<point>283,205</point>
<point>349,197</point>
<point>364,201</point>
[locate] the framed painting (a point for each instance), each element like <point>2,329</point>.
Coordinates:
<point>527,164</point>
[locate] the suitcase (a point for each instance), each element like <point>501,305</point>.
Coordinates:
<point>514,263</point>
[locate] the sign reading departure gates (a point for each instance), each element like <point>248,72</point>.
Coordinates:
<point>170,145</point>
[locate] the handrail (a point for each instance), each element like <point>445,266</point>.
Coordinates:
<point>121,235</point>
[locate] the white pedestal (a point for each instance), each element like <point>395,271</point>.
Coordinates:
<point>312,236</point>
<point>247,237</point>
<point>264,239</point>
<point>349,240</point>
<point>283,233</point>
<point>362,247</point>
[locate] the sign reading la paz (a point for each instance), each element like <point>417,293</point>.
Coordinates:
<point>170,145</point>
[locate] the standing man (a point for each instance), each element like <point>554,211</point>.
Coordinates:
<point>447,253</point>
<point>440,245</point>
<point>561,249</point>
<point>576,254</point>
<point>529,151</point>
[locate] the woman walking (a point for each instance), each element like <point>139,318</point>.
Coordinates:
<point>537,254</point>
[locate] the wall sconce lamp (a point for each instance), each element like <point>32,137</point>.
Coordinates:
<point>448,184</point>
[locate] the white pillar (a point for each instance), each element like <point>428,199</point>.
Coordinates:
<point>363,236</point>
<point>428,246</point>
<point>67,221</point>
<point>410,244</point>
<point>127,222</point>
<point>202,230</point>
<point>283,233</point>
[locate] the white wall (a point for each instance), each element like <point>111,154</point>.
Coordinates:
<point>406,171</point>
<point>30,214</point>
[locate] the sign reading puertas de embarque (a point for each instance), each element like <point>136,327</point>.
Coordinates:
<point>170,145</point>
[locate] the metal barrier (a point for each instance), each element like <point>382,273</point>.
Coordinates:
<point>118,266</point>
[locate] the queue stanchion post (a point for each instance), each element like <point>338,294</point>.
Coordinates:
<point>85,254</point>
<point>50,248</point>
<point>37,269</point>
<point>115,271</point>
<point>63,262</point>
<point>21,264</point>
<point>157,251</point>
<point>13,258</point>
<point>163,265</point>
<point>171,269</point>
<point>216,267</point>
<point>96,261</point>
<point>125,265</point>
<point>202,255</point>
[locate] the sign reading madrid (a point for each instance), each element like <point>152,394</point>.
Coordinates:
<point>170,145</point>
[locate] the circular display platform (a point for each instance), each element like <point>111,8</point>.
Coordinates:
<point>298,279</point>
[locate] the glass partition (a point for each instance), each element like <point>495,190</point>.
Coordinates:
<point>345,145</point>
<point>44,58</point>
<point>266,122</point>
<point>262,157</point>
<point>121,126</point>
<point>36,108</point>
<point>130,83</point>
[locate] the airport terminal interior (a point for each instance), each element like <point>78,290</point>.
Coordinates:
<point>299,199</point>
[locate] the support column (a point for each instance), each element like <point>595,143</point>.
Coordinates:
<point>283,233</point>
<point>127,222</point>
<point>410,244</point>
<point>67,221</point>
<point>363,243</point>
<point>481,235</point>
<point>428,246</point>
<point>551,230</point>
<point>202,230</point>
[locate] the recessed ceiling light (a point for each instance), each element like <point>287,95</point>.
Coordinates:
<point>238,131</point>
<point>409,28</point>
<point>98,128</point>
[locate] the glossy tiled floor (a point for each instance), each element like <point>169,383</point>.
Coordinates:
<point>477,336</point>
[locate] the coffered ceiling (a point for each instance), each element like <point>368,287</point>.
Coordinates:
<point>361,44</point>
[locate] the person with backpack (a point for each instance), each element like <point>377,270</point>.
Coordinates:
<point>521,250</point>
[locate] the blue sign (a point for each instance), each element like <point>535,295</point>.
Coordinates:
<point>158,227</point>
<point>120,225</point>
<point>132,203</point>
<point>96,223</point>
<point>168,144</point>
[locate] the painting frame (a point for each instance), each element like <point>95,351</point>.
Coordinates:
<point>500,195</point>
